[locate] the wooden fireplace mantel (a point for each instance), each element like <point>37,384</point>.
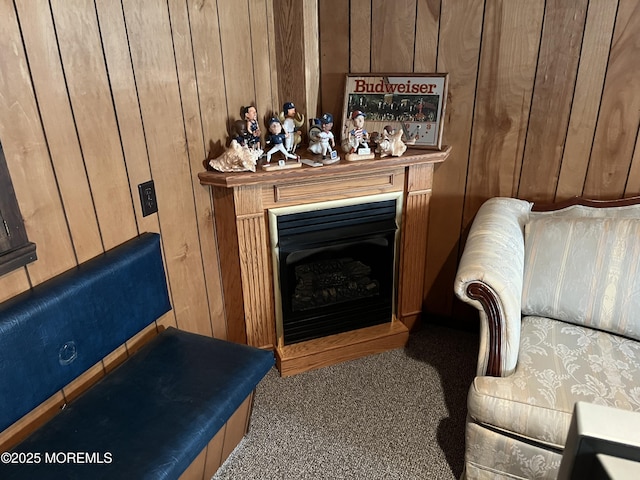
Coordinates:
<point>241,202</point>
<point>412,157</point>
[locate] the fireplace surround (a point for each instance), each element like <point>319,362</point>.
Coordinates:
<point>241,205</point>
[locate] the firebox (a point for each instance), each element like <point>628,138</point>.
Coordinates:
<point>334,265</point>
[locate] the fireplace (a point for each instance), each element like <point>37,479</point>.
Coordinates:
<point>334,265</point>
<point>245,206</point>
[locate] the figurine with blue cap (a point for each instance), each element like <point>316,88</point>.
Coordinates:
<point>321,139</point>
<point>276,140</point>
<point>291,122</point>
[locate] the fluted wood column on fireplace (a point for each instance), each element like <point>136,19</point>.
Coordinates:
<point>241,202</point>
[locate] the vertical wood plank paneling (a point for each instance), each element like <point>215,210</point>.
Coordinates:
<point>207,52</point>
<point>393,27</point>
<point>154,66</point>
<point>289,37</point>
<point>553,94</point>
<point>125,100</point>
<point>427,31</point>
<point>58,122</point>
<point>213,117</point>
<point>458,52</point>
<point>510,42</point>
<point>235,38</point>
<point>360,35</point>
<point>311,59</point>
<point>196,146</point>
<point>83,63</point>
<point>196,149</point>
<point>13,283</point>
<point>271,29</point>
<point>594,55</point>
<point>28,157</point>
<point>619,117</point>
<point>210,79</point>
<point>262,44</point>
<point>334,56</point>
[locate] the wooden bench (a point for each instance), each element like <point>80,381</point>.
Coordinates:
<point>150,417</point>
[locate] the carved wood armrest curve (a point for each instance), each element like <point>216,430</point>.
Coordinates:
<point>481,292</point>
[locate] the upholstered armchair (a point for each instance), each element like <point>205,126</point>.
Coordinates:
<point>558,293</point>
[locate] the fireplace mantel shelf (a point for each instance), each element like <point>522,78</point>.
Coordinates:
<point>236,179</point>
<point>242,201</point>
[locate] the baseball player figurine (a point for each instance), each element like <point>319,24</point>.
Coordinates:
<point>276,140</point>
<point>356,142</point>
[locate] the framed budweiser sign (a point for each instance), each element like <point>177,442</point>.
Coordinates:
<point>413,103</point>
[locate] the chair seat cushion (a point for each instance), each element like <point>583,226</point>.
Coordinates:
<point>559,364</point>
<point>153,414</point>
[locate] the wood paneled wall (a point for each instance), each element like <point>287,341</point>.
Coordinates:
<point>98,96</point>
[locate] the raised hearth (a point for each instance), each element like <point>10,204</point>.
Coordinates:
<point>242,202</point>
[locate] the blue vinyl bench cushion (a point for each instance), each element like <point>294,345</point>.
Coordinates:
<point>60,328</point>
<point>154,413</point>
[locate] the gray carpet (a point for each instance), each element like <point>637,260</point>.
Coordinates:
<point>394,415</point>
